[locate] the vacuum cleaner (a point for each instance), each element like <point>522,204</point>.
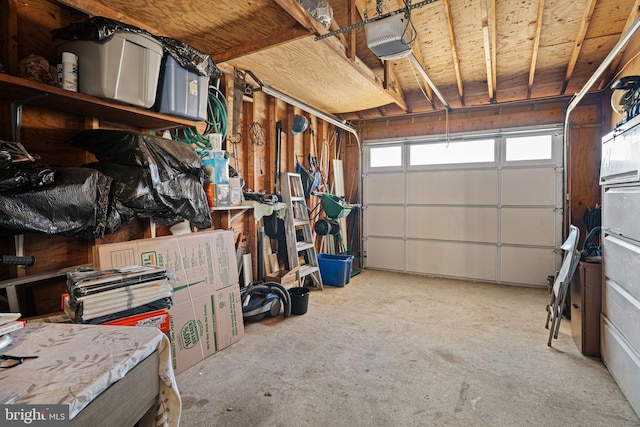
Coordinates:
<point>264,299</point>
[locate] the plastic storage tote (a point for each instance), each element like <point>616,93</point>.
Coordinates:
<point>124,67</point>
<point>335,270</point>
<point>181,92</point>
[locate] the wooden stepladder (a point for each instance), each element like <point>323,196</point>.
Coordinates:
<point>300,247</point>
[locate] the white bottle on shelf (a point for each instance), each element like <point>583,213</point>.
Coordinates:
<point>69,71</point>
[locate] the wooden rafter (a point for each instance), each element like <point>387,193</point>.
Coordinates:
<point>493,34</point>
<point>454,48</point>
<point>351,36</point>
<point>488,29</point>
<point>418,54</point>
<point>577,45</point>
<point>536,47</point>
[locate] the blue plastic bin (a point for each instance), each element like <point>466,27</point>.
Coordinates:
<point>335,270</point>
<point>181,92</point>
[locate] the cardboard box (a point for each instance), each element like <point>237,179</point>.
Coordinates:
<point>207,314</point>
<point>228,311</point>
<point>204,326</point>
<point>192,333</point>
<point>207,257</point>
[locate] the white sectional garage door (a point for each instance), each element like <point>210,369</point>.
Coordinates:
<point>483,207</point>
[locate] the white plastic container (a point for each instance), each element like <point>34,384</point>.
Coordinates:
<point>69,72</point>
<point>125,67</point>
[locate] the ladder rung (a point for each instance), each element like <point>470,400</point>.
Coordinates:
<point>303,246</point>
<point>301,222</point>
<point>305,270</point>
<point>297,199</point>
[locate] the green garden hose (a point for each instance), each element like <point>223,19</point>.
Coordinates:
<point>216,122</point>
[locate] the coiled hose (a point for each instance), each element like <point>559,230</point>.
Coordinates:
<point>216,122</point>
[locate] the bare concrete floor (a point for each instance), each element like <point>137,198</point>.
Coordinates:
<point>399,350</point>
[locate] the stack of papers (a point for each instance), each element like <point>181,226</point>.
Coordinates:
<point>101,295</point>
<point>9,322</point>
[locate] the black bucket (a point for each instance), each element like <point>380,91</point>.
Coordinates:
<point>299,300</point>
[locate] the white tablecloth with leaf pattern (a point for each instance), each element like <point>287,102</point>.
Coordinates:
<point>76,363</point>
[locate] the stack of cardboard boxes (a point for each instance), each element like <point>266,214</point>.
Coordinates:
<point>207,314</point>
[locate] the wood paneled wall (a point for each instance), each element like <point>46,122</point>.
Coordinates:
<point>25,28</point>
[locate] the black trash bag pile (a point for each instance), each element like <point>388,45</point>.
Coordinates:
<point>75,204</point>
<point>100,28</point>
<point>153,177</point>
<point>5,160</point>
<point>18,168</point>
<point>22,175</point>
<point>189,57</point>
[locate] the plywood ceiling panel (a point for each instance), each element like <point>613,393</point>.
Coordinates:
<point>312,72</point>
<point>211,26</point>
<point>269,38</point>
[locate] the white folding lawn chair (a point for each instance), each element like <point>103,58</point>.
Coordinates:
<point>561,283</point>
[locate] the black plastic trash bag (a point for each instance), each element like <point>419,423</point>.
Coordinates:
<point>189,57</point>
<point>75,204</point>
<point>100,28</point>
<point>26,175</point>
<point>163,157</point>
<point>163,179</point>
<point>96,28</point>
<point>5,160</point>
<point>135,194</point>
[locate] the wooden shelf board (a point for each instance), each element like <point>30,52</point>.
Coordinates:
<point>16,88</point>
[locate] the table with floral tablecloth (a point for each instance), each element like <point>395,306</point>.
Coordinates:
<point>76,363</point>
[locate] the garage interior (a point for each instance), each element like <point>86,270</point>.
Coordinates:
<point>463,148</point>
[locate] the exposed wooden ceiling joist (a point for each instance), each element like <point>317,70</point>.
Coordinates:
<point>425,84</point>
<point>488,41</point>
<point>351,37</point>
<point>536,46</point>
<point>418,54</point>
<point>577,45</point>
<point>454,49</point>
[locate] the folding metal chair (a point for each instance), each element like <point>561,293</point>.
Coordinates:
<point>561,283</point>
